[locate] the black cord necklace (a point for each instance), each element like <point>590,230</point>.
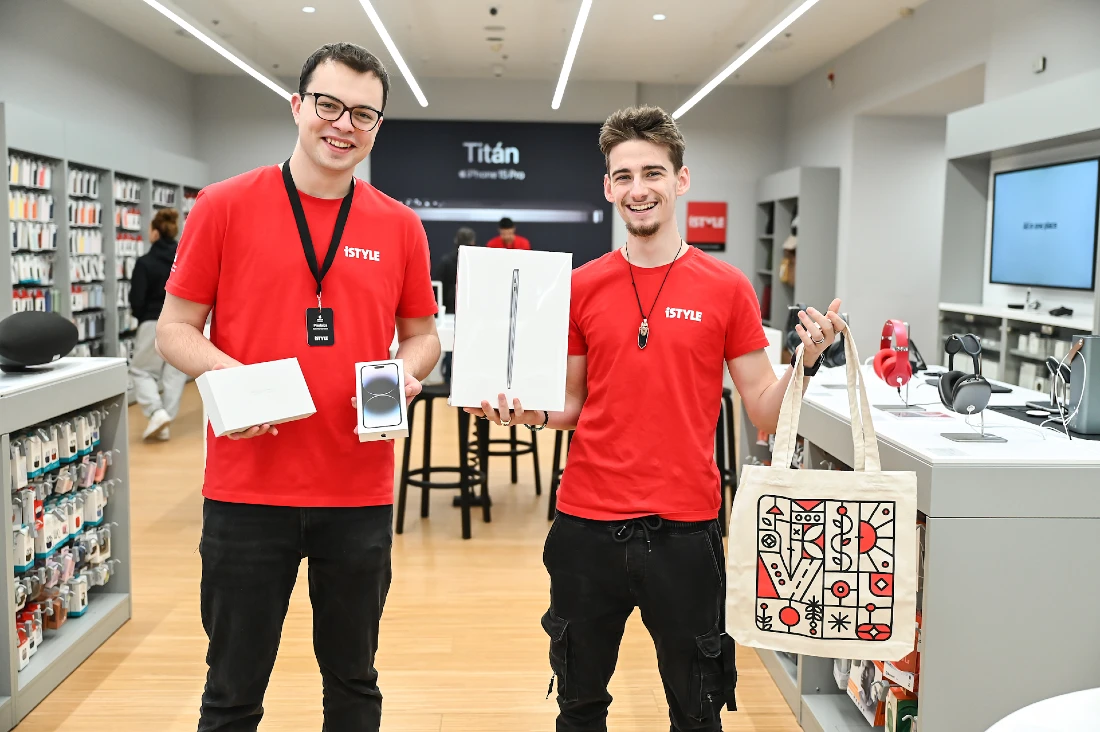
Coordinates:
<point>643,329</point>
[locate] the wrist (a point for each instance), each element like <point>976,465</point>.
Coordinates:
<point>811,369</point>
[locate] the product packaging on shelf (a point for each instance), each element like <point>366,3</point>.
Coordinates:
<point>271,392</point>
<point>511,327</point>
<point>901,708</point>
<point>380,396</point>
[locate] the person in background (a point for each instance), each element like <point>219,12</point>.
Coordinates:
<point>157,385</point>
<point>508,239</point>
<point>446,271</point>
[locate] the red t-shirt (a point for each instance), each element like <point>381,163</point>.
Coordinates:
<point>644,444</point>
<point>241,251</point>
<point>519,242</point>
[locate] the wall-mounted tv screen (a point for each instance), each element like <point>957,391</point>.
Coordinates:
<point>1045,226</point>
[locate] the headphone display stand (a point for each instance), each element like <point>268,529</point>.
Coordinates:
<point>904,407</point>
<point>973,436</point>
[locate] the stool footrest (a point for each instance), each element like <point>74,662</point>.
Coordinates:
<point>473,478</point>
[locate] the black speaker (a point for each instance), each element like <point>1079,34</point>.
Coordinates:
<point>32,338</point>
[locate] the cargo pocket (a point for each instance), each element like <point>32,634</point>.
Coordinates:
<point>715,675</point>
<point>557,629</point>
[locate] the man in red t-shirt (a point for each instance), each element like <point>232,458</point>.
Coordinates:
<point>652,325</point>
<point>508,239</point>
<point>267,253</point>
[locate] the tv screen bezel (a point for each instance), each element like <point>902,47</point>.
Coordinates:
<point>1095,224</point>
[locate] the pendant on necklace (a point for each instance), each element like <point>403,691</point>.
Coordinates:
<point>643,333</point>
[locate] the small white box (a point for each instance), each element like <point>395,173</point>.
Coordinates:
<point>271,392</point>
<point>511,332</point>
<point>380,395</point>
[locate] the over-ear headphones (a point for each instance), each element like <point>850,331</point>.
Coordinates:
<point>959,391</point>
<point>892,361</point>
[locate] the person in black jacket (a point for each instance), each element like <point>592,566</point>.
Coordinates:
<point>446,271</point>
<point>157,384</point>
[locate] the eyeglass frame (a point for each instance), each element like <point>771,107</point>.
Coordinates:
<point>345,108</point>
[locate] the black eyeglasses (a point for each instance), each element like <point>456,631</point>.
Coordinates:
<point>330,109</point>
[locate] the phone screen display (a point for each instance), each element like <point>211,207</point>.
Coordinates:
<point>383,397</point>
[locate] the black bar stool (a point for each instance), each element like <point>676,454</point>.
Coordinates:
<point>725,442</point>
<point>514,448</point>
<point>558,469</point>
<point>469,474</point>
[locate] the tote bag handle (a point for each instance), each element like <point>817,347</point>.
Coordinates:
<point>864,439</point>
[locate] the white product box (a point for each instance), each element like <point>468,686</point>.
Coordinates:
<point>380,395</point>
<point>271,392</point>
<point>511,327</point>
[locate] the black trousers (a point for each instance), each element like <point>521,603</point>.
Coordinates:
<point>250,559</point>
<point>675,574</point>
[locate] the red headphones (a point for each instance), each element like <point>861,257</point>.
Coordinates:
<point>892,362</point>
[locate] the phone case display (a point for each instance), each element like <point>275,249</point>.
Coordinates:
<point>129,241</point>
<point>164,196</point>
<point>69,554</point>
<point>511,327</point>
<point>380,395</point>
<point>32,231</point>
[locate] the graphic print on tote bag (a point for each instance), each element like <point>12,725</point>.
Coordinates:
<point>825,568</point>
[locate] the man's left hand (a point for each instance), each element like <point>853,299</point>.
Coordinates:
<point>818,331</point>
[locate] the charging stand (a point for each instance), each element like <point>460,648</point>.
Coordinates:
<point>973,436</point>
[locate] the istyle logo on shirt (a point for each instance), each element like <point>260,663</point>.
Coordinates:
<point>370,254</point>
<point>681,314</point>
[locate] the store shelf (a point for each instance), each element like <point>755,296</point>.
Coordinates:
<point>65,649</point>
<point>831,713</point>
<point>1082,324</point>
<point>785,675</point>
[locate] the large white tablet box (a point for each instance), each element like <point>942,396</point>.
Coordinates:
<point>271,392</point>
<point>511,327</point>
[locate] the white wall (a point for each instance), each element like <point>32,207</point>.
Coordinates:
<point>59,62</point>
<point>897,175</point>
<point>1062,30</point>
<point>734,137</point>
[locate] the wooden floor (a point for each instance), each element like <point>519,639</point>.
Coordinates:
<point>461,648</point>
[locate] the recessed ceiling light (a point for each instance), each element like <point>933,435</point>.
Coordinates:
<point>309,9</point>
<point>659,16</point>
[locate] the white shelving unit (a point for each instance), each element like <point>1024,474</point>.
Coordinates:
<point>66,388</point>
<point>70,148</point>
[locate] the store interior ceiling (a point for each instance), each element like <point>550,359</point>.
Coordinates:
<point>523,39</point>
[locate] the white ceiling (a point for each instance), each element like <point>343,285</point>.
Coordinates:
<point>449,38</point>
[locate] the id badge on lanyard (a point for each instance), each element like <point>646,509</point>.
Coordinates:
<point>320,328</point>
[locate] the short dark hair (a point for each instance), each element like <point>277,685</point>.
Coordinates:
<point>354,57</point>
<point>506,223</point>
<point>651,124</point>
<point>465,237</point>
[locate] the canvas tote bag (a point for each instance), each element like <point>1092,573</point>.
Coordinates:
<point>823,562</point>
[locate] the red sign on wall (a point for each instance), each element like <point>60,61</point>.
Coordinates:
<point>707,225</point>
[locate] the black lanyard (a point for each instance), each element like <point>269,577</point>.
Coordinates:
<point>303,228</point>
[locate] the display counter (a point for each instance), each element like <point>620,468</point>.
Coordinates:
<point>1011,541</point>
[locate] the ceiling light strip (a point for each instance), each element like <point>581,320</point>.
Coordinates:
<point>220,49</point>
<point>571,52</point>
<point>744,57</point>
<point>378,26</point>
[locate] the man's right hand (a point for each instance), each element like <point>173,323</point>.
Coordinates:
<point>251,432</point>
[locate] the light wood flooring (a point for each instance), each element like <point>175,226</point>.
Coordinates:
<point>461,647</point>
